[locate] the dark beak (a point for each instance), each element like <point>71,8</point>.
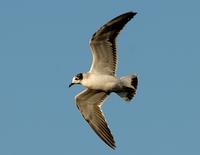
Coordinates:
<point>71,84</point>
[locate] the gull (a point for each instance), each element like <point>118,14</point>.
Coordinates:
<point>101,80</point>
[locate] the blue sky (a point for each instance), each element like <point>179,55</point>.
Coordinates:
<point>44,43</point>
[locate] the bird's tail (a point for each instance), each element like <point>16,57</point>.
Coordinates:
<point>130,83</point>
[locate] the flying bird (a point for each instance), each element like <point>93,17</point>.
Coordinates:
<point>101,80</point>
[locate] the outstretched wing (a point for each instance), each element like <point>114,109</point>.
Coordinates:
<point>103,45</point>
<point>89,103</point>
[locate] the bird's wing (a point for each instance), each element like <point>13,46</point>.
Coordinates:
<point>103,45</point>
<point>89,103</point>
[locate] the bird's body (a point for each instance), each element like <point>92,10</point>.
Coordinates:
<point>106,83</point>
<point>101,80</point>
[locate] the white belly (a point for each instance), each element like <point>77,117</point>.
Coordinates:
<point>100,82</point>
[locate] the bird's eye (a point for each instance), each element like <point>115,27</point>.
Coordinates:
<point>79,76</point>
<point>76,78</point>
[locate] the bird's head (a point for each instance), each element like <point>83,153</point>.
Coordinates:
<point>77,79</point>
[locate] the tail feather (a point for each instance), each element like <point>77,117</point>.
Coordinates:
<point>129,87</point>
<point>134,82</point>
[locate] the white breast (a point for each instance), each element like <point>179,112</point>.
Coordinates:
<point>100,82</point>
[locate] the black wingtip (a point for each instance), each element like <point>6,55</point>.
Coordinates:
<point>134,13</point>
<point>130,13</point>
<point>124,18</point>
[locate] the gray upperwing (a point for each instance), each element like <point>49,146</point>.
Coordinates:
<point>103,45</point>
<point>89,103</point>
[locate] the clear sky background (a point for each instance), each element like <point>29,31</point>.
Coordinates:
<point>44,43</point>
